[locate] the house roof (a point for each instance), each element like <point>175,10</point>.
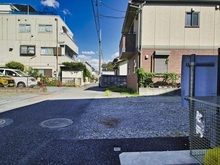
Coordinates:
<point>129,18</point>
<point>132,11</point>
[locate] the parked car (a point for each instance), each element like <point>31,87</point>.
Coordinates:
<point>6,81</point>
<point>21,79</point>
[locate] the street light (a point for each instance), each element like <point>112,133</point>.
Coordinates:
<point>30,60</point>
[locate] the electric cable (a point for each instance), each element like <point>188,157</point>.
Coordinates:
<point>112,17</point>
<point>112,8</point>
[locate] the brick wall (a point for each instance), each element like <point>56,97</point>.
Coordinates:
<point>174,63</point>
<point>175,58</point>
<point>132,76</point>
<point>132,81</point>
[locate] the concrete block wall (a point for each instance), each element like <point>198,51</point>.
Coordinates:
<point>113,80</point>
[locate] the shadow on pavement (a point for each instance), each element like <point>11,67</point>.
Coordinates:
<point>94,88</point>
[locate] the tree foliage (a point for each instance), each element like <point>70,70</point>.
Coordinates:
<point>78,66</point>
<point>107,66</point>
<point>34,72</point>
<point>75,65</point>
<point>15,65</point>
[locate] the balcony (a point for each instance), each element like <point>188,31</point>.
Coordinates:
<point>127,46</point>
<point>65,39</point>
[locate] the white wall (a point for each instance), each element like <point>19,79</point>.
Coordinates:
<point>163,26</point>
<point>123,68</point>
<point>11,38</point>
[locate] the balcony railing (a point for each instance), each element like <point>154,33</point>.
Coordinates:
<point>127,43</point>
<point>65,39</point>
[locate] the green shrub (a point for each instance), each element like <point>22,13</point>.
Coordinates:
<point>15,65</point>
<point>34,72</point>
<point>145,79</point>
<point>122,90</point>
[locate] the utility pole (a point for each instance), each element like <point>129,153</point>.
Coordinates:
<point>100,51</point>
<point>98,29</point>
<point>56,48</point>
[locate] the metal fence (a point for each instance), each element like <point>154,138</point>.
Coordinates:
<point>204,115</point>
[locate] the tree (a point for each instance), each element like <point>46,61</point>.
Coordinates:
<point>15,65</point>
<point>108,67</point>
<point>78,66</point>
<point>34,72</point>
<point>75,65</point>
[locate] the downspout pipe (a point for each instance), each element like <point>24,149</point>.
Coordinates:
<point>218,77</point>
<point>139,39</point>
<point>139,43</point>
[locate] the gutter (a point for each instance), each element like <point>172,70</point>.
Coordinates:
<point>140,19</point>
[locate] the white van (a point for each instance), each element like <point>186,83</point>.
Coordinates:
<point>21,79</point>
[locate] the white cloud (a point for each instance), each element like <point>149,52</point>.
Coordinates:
<point>88,52</point>
<point>115,55</point>
<point>92,61</point>
<point>66,12</point>
<point>51,3</point>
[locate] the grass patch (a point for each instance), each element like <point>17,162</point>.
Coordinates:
<point>122,90</point>
<point>107,93</point>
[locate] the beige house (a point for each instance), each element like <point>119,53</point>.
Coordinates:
<point>156,33</point>
<point>34,39</point>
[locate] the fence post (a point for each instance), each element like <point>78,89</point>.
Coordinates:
<point>191,94</point>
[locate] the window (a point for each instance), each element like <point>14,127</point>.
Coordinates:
<point>128,68</point>
<point>27,50</point>
<point>160,65</point>
<point>161,58</point>
<point>45,28</point>
<point>45,72</point>
<point>10,73</point>
<point>47,51</point>
<point>192,19</point>
<point>24,28</point>
<point>134,65</point>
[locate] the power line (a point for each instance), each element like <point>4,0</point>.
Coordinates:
<point>98,30</point>
<point>112,8</point>
<point>96,17</point>
<point>113,17</point>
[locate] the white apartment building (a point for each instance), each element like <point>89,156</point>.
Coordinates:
<point>33,39</point>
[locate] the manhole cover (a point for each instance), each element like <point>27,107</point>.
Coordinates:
<point>4,122</point>
<point>56,123</point>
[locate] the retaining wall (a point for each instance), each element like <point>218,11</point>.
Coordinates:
<point>159,91</point>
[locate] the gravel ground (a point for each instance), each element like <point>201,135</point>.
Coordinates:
<point>134,117</point>
<point>99,124</point>
<point>117,116</point>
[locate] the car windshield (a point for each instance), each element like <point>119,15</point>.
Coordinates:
<point>1,74</point>
<point>21,73</point>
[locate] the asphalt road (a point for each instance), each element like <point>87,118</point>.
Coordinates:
<point>30,136</point>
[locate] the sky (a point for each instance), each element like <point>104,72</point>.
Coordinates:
<point>79,17</point>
